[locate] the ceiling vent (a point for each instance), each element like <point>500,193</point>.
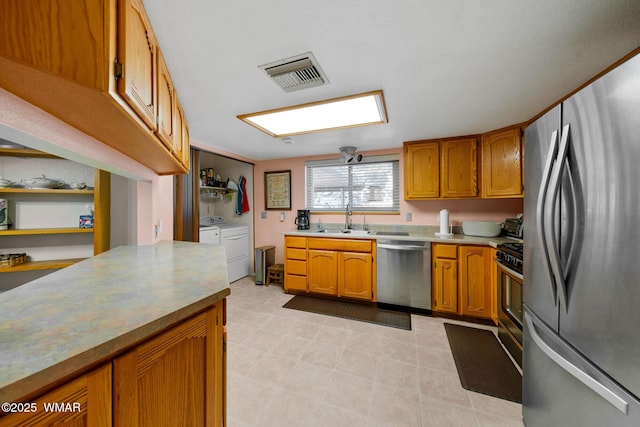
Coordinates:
<point>296,73</point>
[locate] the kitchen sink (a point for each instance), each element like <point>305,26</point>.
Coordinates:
<point>359,232</point>
<point>346,231</point>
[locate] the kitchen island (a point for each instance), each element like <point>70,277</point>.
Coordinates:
<point>146,321</point>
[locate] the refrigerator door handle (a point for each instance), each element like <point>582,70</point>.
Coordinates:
<point>608,395</point>
<point>574,231</point>
<point>541,219</point>
<point>550,209</point>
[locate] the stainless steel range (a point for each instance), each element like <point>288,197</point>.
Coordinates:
<point>509,257</point>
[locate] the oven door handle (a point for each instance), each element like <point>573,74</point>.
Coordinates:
<point>541,219</point>
<point>509,271</point>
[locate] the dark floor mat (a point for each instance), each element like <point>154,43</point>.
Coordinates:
<point>348,310</point>
<point>483,366</point>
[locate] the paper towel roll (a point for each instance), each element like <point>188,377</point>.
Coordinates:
<point>444,221</point>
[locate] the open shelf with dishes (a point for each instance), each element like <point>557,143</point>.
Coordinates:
<point>54,222</point>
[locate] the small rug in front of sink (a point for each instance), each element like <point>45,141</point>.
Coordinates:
<point>483,366</point>
<point>353,311</point>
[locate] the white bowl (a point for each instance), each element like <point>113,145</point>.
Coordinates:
<point>481,228</point>
<point>77,185</point>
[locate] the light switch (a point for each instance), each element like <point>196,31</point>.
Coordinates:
<point>281,216</point>
<point>409,216</point>
<point>263,215</point>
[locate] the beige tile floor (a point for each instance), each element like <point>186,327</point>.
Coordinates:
<point>291,368</point>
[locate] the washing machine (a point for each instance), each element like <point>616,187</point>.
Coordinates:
<point>235,240</point>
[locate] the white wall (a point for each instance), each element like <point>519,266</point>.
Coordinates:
<point>124,225</point>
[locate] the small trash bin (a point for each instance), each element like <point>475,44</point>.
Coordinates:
<point>265,257</point>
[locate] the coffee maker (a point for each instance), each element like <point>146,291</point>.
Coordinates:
<point>302,220</point>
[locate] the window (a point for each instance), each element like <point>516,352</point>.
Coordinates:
<point>372,185</point>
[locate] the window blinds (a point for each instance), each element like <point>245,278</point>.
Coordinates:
<point>373,185</point>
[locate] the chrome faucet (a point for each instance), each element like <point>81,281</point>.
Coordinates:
<point>347,219</point>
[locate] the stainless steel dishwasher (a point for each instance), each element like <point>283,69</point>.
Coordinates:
<point>404,273</point>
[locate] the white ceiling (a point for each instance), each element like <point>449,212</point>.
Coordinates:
<point>447,67</point>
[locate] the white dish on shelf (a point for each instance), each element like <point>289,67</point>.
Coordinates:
<point>5,183</point>
<point>77,185</point>
<point>42,183</point>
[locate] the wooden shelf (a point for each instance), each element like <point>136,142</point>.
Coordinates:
<point>21,190</point>
<point>220,189</point>
<point>40,231</point>
<point>41,265</point>
<point>25,152</point>
<point>218,192</point>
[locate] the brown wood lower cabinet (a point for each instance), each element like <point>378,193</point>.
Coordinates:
<point>475,281</point>
<point>174,379</point>
<point>462,280</point>
<point>444,281</point>
<point>331,266</point>
<point>85,401</point>
<point>355,272</point>
<point>323,272</point>
<point>295,263</point>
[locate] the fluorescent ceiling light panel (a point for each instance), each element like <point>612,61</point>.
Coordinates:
<point>348,111</point>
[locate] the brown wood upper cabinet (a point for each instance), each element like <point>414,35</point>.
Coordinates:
<point>167,107</point>
<point>502,163</point>
<point>422,170</point>
<point>441,169</point>
<point>459,168</point>
<point>95,64</point>
<point>137,50</point>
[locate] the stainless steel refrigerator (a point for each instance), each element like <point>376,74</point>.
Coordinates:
<point>581,361</point>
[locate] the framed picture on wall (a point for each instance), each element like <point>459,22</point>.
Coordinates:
<point>277,190</point>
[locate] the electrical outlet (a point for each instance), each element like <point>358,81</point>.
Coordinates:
<point>409,216</point>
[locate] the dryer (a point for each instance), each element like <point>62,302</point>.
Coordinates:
<point>235,239</point>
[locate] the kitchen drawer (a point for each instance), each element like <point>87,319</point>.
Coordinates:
<point>297,283</point>
<point>294,253</point>
<point>340,244</point>
<point>445,251</point>
<point>295,242</point>
<point>295,267</point>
